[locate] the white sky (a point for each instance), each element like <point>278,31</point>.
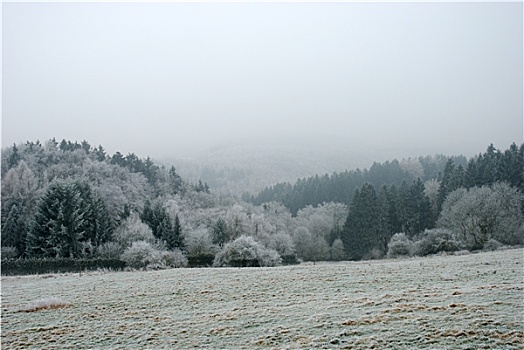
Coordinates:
<point>166,79</point>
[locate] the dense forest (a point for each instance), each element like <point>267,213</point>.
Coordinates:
<point>74,201</point>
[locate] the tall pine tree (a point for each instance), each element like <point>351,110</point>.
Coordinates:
<point>365,229</point>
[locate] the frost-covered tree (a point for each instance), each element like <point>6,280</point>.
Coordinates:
<point>199,242</point>
<point>141,254</point>
<point>245,251</point>
<point>483,213</point>
<point>284,245</point>
<point>399,245</point>
<point>237,221</point>
<point>338,252</point>
<point>310,247</point>
<point>131,230</point>
<point>20,184</point>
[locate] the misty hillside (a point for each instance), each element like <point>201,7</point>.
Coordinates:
<point>251,165</point>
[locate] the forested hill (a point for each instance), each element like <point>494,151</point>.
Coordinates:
<point>456,171</point>
<point>74,201</point>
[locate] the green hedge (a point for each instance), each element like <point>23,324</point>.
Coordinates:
<point>38,266</point>
<point>202,260</point>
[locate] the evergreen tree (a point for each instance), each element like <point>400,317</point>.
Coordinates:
<point>58,227</point>
<point>451,180</point>
<point>118,159</point>
<point>166,232</point>
<point>177,234</point>
<point>148,216</point>
<point>392,200</point>
<point>471,174</point>
<point>404,208</point>
<point>100,154</point>
<point>175,181</point>
<point>14,229</point>
<point>220,232</point>
<point>511,167</point>
<point>102,224</point>
<point>69,219</point>
<point>14,158</point>
<point>365,227</point>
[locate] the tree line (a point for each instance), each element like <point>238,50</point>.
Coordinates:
<point>339,187</point>
<point>73,201</point>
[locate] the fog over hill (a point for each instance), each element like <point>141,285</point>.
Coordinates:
<point>249,165</point>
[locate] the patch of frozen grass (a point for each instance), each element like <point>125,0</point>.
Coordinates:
<point>45,304</point>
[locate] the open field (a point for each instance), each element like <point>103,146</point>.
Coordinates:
<point>457,302</point>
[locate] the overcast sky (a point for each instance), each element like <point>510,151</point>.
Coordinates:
<point>166,79</point>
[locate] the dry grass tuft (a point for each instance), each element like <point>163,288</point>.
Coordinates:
<point>45,304</point>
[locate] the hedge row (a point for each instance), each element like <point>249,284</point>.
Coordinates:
<point>39,266</point>
<point>203,260</point>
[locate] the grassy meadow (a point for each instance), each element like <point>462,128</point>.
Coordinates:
<point>472,301</point>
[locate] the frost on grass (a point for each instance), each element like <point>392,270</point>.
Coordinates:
<point>471,301</point>
<point>45,304</point>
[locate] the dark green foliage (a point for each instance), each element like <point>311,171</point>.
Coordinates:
<point>118,159</point>
<point>100,154</point>
<point>220,232</point>
<point>175,181</point>
<point>452,179</point>
<point>495,166</point>
<point>67,222</point>
<point>160,223</point>
<point>175,240</point>
<point>13,158</point>
<point>201,260</point>
<point>201,187</point>
<point>365,228</point>
<point>413,209</point>
<point>39,266</point>
<point>14,230</point>
<point>339,187</point>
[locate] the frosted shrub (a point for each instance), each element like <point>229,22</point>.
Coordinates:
<point>283,244</point>
<point>435,241</point>
<point>482,213</point>
<point>245,251</point>
<point>141,254</point>
<point>399,245</point>
<point>268,257</point>
<point>132,230</point>
<point>174,258</point>
<point>199,242</point>
<point>492,245</point>
<point>109,250</point>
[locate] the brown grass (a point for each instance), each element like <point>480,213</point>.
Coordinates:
<point>45,304</point>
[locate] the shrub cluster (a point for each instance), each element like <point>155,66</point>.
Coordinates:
<point>429,242</point>
<point>246,252</point>
<point>141,254</point>
<point>399,245</point>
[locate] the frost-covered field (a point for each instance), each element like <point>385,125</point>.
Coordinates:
<point>457,302</point>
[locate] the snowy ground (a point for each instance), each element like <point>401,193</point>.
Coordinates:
<point>470,301</point>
